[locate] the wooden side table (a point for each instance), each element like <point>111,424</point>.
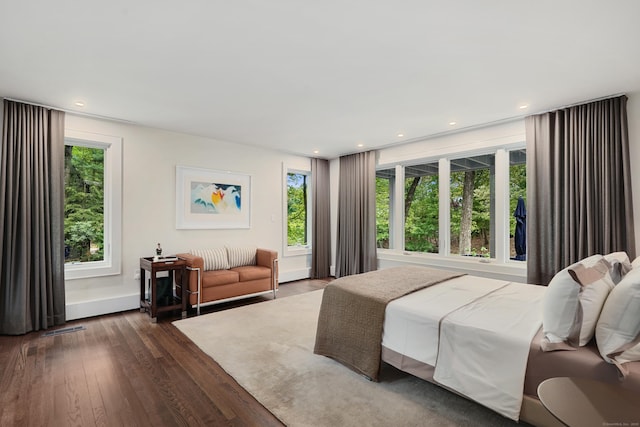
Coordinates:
<point>176,302</point>
<point>582,402</point>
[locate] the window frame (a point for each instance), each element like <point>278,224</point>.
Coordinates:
<point>507,208</point>
<point>112,263</point>
<point>402,187</point>
<point>493,225</point>
<point>297,249</point>
<point>501,213</point>
<point>390,201</point>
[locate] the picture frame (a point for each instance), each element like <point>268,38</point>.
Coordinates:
<point>212,199</point>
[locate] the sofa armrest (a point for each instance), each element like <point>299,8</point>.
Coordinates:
<point>193,261</point>
<point>269,258</point>
<point>266,257</point>
<point>195,267</point>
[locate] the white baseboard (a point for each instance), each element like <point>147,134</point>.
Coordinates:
<point>305,273</point>
<point>291,275</point>
<point>116,304</point>
<point>83,309</point>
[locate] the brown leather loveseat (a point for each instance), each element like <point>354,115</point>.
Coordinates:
<point>229,273</point>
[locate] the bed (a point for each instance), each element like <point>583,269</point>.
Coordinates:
<point>446,328</point>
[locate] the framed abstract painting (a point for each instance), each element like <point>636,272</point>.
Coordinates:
<point>208,198</point>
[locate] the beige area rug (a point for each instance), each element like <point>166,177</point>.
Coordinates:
<point>268,349</point>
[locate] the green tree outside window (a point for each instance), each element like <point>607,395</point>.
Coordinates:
<point>297,209</point>
<point>84,204</point>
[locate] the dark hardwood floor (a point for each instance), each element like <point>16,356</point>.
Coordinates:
<point>124,370</point>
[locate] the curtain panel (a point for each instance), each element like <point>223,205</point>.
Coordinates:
<point>32,293</point>
<point>321,224</point>
<point>578,186</point>
<point>356,245</point>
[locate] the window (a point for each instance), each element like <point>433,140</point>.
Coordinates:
<point>517,190</point>
<point>83,204</point>
<point>421,208</point>
<point>454,206</point>
<point>92,220</point>
<point>298,230</point>
<point>472,206</point>
<point>385,182</point>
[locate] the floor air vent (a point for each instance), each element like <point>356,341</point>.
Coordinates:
<point>64,331</point>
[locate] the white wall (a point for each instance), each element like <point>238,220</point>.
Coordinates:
<point>633,115</point>
<point>149,160</point>
<point>480,139</point>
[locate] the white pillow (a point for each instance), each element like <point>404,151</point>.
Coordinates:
<point>241,256</point>
<point>572,303</point>
<point>214,259</point>
<point>618,329</point>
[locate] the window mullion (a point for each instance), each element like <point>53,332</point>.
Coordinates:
<point>444,181</point>
<point>398,210</point>
<point>502,205</point>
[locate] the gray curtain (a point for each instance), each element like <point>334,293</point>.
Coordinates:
<point>356,252</point>
<point>31,219</point>
<point>321,228</point>
<point>578,186</point>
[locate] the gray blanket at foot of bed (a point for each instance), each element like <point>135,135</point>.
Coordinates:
<point>352,313</point>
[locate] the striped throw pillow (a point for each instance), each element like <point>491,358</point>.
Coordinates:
<point>240,256</point>
<point>214,259</point>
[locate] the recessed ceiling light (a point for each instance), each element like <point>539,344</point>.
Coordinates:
<point>452,123</point>
<point>79,103</point>
<point>360,145</point>
<point>400,135</point>
<point>523,107</point>
<point>316,151</point>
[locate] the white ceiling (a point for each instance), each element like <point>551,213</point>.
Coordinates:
<point>300,76</point>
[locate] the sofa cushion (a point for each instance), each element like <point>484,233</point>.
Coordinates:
<point>219,277</point>
<point>241,255</point>
<point>252,272</point>
<point>214,259</point>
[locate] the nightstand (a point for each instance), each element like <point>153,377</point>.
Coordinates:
<point>582,402</point>
<point>175,302</point>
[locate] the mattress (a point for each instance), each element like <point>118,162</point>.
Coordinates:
<point>478,330</point>
<point>412,331</point>
<point>584,362</point>
<point>410,340</point>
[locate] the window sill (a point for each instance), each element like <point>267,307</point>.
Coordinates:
<point>515,271</point>
<point>291,251</point>
<point>88,270</point>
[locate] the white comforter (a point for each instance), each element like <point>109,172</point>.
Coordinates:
<point>475,331</point>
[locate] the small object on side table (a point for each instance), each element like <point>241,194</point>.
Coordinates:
<point>173,266</point>
<point>158,253</point>
<point>580,402</point>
